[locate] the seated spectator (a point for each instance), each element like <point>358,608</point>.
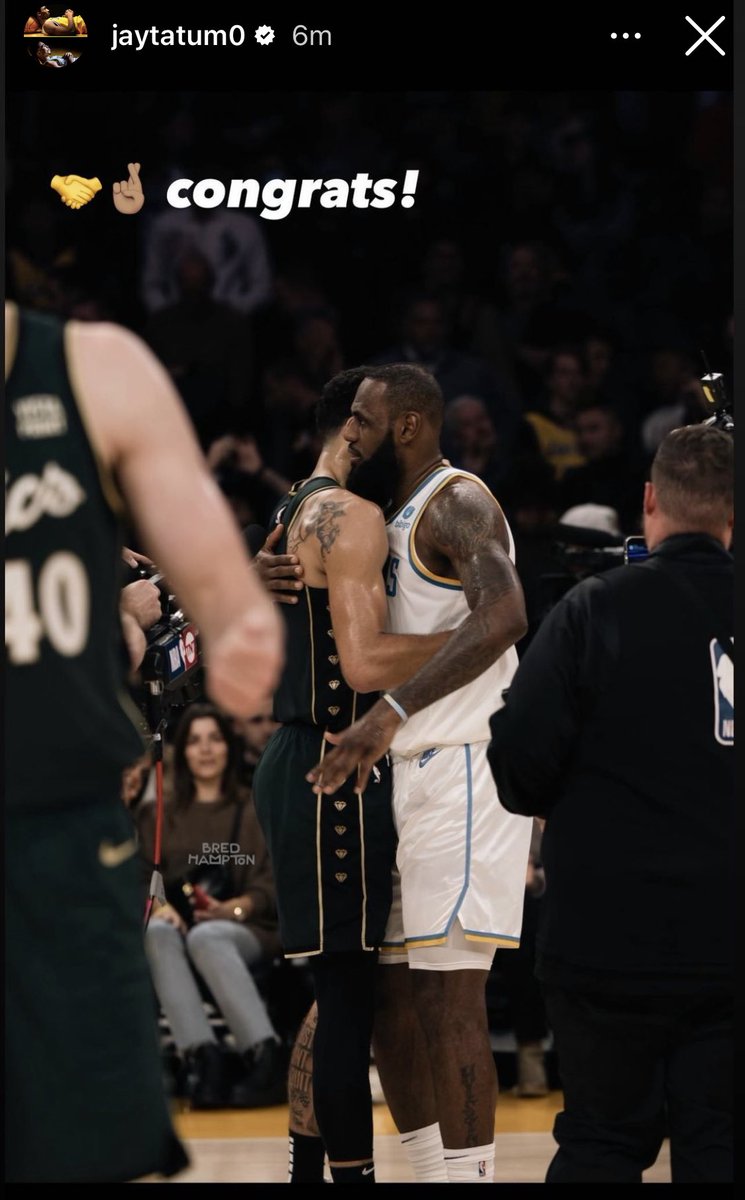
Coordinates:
<point>537,312</point>
<point>597,350</point>
<point>221,939</point>
<point>680,394</point>
<point>670,374</point>
<point>292,384</point>
<point>607,374</point>
<point>613,474</point>
<point>595,198</point>
<point>554,422</point>
<point>424,338</point>
<point>297,291</point>
<point>473,321</point>
<point>471,442</point>
<point>205,345</point>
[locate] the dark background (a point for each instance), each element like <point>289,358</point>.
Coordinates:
<point>609,163</point>
<point>644,247</point>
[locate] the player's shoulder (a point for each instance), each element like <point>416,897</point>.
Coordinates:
<point>463,494</point>
<point>346,502</point>
<point>122,390</point>
<point>456,481</point>
<point>99,351</point>
<point>104,349</point>
<point>355,524</point>
<point>364,514</point>
<point>360,506</point>
<point>105,337</point>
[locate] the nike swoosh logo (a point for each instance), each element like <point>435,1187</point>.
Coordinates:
<point>113,856</point>
<point>427,755</point>
<point>367,1170</point>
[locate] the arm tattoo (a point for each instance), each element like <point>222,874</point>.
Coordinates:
<point>324,524</point>
<point>467,528</point>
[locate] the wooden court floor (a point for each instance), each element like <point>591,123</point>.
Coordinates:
<point>250,1146</point>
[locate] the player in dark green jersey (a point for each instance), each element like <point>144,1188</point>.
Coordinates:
<point>332,855</point>
<point>88,405</point>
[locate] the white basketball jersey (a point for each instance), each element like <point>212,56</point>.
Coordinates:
<point>421,602</point>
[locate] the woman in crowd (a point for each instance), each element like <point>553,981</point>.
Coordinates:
<point>221,921</point>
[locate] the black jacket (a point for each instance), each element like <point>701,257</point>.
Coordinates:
<point>619,729</point>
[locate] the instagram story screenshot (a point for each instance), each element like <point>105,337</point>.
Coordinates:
<point>369,575</point>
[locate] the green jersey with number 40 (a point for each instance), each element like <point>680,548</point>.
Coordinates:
<point>70,728</point>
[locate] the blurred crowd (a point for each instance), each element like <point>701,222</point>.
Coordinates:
<point>566,262</point>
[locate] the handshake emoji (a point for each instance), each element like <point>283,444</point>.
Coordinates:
<point>127,195</point>
<point>75,191</point>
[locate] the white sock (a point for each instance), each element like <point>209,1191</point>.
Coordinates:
<point>472,1164</point>
<point>424,1148</point>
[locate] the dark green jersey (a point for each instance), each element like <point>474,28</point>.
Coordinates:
<point>312,689</point>
<point>69,727</point>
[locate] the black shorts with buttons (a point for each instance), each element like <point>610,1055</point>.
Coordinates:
<point>332,856</point>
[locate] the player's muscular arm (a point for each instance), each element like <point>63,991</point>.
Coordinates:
<point>463,526</point>
<point>141,431</point>
<point>465,534</point>
<point>354,548</point>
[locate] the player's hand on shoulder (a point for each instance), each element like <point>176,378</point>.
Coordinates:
<point>281,574</point>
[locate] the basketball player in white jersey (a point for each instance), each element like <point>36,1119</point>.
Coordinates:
<point>462,857</point>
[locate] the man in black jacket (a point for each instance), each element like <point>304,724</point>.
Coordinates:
<point>619,731</point>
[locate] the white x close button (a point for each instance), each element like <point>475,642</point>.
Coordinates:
<point>704,36</point>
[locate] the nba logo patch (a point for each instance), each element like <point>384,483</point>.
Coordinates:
<point>482,1167</point>
<point>723,670</point>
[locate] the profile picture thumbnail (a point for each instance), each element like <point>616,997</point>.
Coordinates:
<point>54,57</point>
<point>66,23</point>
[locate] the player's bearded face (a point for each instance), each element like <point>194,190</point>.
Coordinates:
<point>374,478</point>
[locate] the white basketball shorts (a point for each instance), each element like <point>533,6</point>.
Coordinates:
<point>462,860</point>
